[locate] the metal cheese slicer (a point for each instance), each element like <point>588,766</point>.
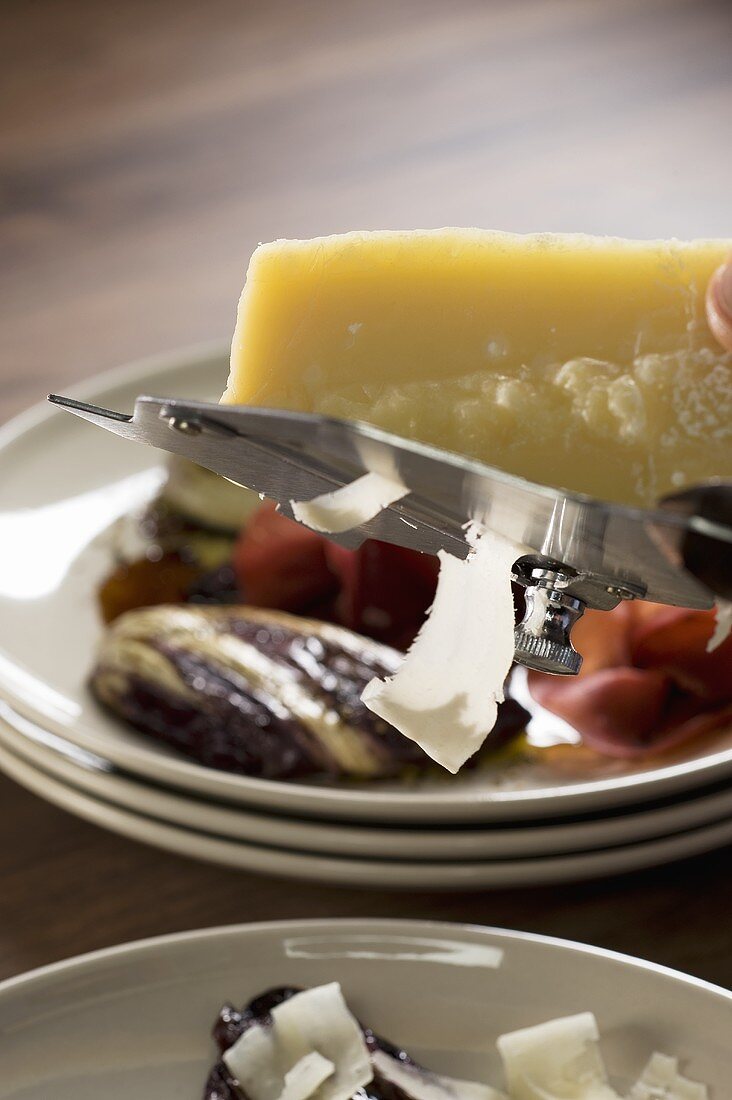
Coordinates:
<point>578,552</point>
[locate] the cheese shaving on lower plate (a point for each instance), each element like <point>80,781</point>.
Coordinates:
<point>306,1076</point>
<point>558,1060</point>
<point>274,1063</point>
<point>661,1080</point>
<point>351,505</point>
<point>445,695</point>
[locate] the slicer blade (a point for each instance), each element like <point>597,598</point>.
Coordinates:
<point>602,552</point>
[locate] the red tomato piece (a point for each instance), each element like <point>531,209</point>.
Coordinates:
<point>281,564</point>
<point>385,590</point>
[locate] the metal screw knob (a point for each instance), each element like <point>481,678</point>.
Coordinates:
<point>186,427</point>
<point>542,640</point>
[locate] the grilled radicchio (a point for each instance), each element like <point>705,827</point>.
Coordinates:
<point>260,693</point>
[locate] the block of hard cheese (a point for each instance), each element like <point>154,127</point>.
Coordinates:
<point>578,362</point>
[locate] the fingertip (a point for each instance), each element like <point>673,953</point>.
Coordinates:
<point>719,304</point>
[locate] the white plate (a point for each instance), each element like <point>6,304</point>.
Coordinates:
<point>134,1021</point>
<point>61,484</point>
<point>391,874</point>
<point>63,761</point>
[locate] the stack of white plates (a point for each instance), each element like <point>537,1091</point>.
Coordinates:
<point>61,486</point>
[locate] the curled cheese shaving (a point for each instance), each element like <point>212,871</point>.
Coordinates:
<point>445,695</point>
<point>351,505</point>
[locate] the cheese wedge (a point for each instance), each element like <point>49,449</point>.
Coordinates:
<point>578,362</point>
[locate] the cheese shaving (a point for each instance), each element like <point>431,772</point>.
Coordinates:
<point>254,1062</point>
<point>445,695</point>
<point>420,1085</point>
<point>306,1076</point>
<point>661,1080</point>
<point>351,505</point>
<point>722,626</point>
<point>558,1060</point>
<point>274,1063</point>
<point>319,1019</point>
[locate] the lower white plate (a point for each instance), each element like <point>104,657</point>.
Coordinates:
<point>389,874</point>
<point>63,761</point>
<point>135,1021</point>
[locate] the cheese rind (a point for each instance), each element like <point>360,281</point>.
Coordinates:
<point>579,362</point>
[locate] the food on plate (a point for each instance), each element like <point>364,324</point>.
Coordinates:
<point>661,1079</point>
<point>630,702</point>
<point>180,549</point>
<point>171,555</point>
<point>446,692</point>
<point>293,1044</point>
<point>350,506</point>
<point>380,590</point>
<point>445,695</point>
<point>260,693</point>
<point>579,362</point>
<point>193,493</point>
<point>648,681</point>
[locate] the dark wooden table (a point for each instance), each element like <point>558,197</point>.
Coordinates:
<point>146,148</point>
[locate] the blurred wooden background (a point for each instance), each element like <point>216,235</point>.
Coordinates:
<point>146,148</point>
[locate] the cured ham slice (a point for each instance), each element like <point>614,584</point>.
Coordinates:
<point>648,682</point>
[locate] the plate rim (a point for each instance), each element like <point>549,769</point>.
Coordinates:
<point>395,925</point>
<point>454,804</point>
<point>448,875</point>
<point>111,378</point>
<point>99,785</point>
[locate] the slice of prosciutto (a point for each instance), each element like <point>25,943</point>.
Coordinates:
<point>648,682</point>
